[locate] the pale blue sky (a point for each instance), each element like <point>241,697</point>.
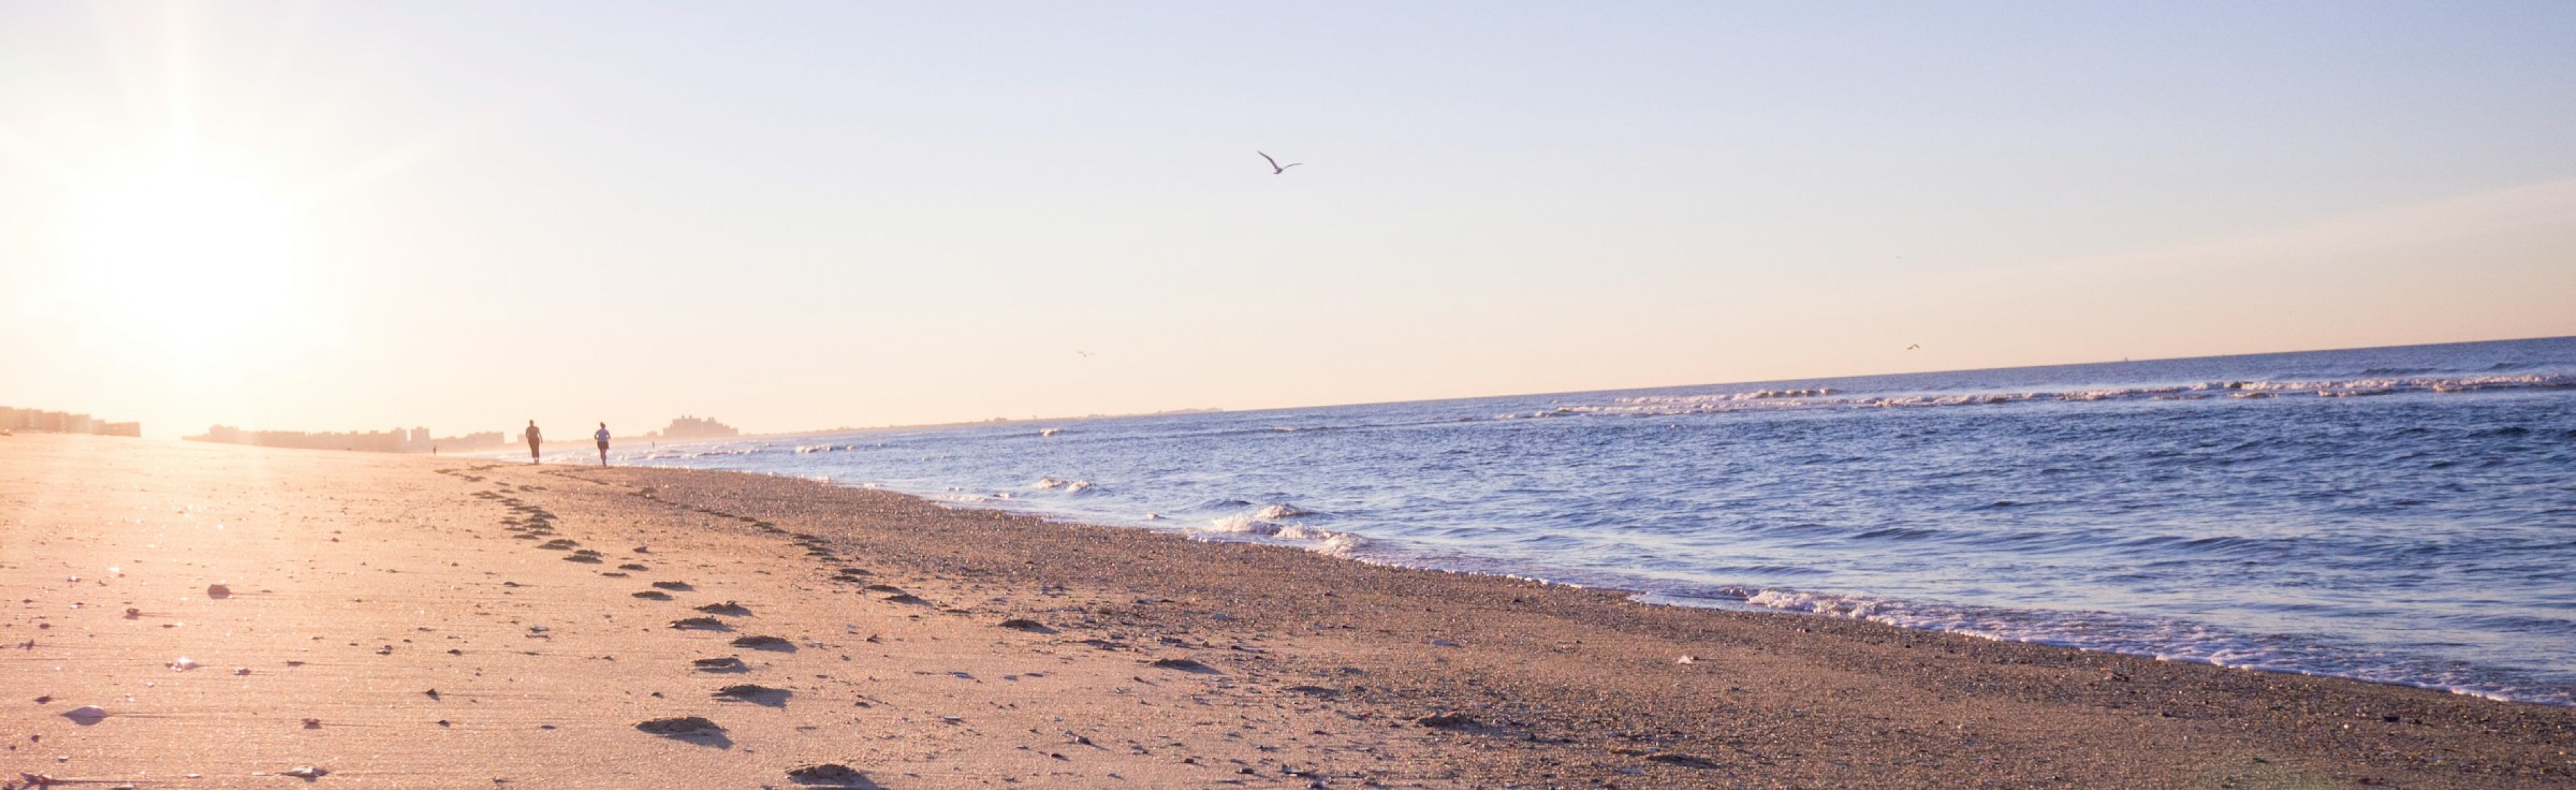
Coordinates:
<point>816,214</point>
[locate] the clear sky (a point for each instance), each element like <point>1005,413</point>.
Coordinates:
<point>357,215</point>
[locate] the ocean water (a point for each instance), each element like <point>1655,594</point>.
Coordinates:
<point>2403,515</point>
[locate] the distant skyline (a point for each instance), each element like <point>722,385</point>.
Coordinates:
<point>332,216</point>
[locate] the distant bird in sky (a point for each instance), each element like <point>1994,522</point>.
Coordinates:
<point>1275,167</point>
<point>1913,347</point>
<point>1084,353</point>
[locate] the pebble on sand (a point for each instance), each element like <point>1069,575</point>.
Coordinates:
<point>85,715</point>
<point>307,772</point>
<point>218,592</point>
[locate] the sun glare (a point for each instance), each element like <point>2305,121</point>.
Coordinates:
<point>186,252</point>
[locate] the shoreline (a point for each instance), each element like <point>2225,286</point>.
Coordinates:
<point>1734,598</point>
<point>1066,654</point>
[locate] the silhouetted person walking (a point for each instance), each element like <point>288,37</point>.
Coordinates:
<point>602,436</point>
<point>535,438</point>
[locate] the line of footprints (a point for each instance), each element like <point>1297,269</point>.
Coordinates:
<point>533,523</point>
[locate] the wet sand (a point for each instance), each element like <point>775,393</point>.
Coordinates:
<point>401,621</point>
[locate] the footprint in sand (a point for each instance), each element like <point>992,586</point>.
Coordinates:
<point>728,608</point>
<point>1185,665</point>
<point>1025,624</point>
<point>725,664</point>
<point>830,775</point>
<point>676,586</point>
<point>695,729</point>
<point>702,624</point>
<point>755,694</point>
<point>765,643</point>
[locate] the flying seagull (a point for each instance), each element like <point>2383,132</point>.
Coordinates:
<point>1913,347</point>
<point>1275,167</point>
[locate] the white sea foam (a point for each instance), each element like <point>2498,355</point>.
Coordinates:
<point>1280,511</point>
<point>1772,400</point>
<point>1308,537</point>
<point>2164,639</point>
<point>1242,525</point>
<point>1341,544</point>
<point>1304,533</point>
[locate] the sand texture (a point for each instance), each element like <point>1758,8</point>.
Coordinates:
<point>247,617</point>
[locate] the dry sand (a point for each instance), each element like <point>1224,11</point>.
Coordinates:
<point>392,621</point>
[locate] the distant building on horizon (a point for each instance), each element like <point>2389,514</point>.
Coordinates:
<point>687,427</point>
<point>41,421</point>
<point>398,440</point>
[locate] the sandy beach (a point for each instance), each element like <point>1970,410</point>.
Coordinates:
<point>218,616</point>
